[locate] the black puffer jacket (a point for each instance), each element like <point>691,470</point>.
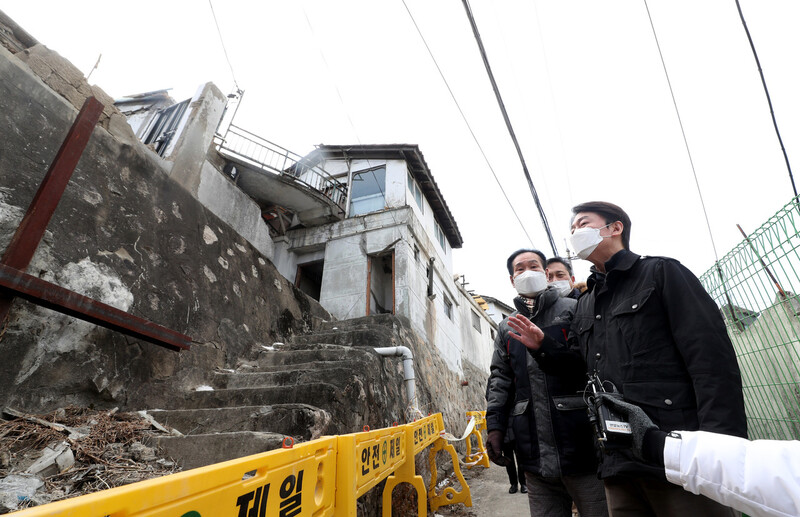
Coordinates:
<point>549,418</point>
<point>649,327</point>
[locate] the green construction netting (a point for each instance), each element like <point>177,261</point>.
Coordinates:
<point>756,285</point>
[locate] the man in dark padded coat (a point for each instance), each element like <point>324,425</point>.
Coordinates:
<point>649,330</point>
<point>548,417</point>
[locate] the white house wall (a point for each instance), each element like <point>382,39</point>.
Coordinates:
<point>496,313</point>
<point>397,195</point>
<point>400,227</point>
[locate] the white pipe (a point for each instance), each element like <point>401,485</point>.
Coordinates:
<point>408,369</point>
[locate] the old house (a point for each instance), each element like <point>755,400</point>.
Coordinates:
<point>363,229</point>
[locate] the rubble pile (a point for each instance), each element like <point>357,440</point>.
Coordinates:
<point>74,451</point>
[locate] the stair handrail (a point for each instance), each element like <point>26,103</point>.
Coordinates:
<point>271,157</point>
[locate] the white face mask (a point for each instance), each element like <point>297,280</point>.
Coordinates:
<point>562,286</point>
<point>584,241</point>
<point>530,283</point>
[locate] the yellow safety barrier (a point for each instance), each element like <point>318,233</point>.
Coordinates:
<point>480,457</point>
<point>320,478</point>
<point>449,495</point>
<point>284,483</point>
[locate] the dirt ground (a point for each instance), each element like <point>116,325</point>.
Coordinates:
<point>489,489</point>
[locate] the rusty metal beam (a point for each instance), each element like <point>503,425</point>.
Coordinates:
<point>46,294</point>
<point>26,239</point>
<point>23,245</point>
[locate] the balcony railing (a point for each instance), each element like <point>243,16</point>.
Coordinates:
<point>256,151</point>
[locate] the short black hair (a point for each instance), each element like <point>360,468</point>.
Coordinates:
<point>563,262</point>
<point>611,213</point>
<point>510,261</point>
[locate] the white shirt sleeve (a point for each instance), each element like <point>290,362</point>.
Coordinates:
<point>760,478</point>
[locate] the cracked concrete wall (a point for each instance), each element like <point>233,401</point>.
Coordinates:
<point>126,234</point>
<point>345,246</point>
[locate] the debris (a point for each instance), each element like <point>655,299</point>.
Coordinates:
<point>73,433</point>
<point>16,490</point>
<point>108,450</point>
<point>147,416</point>
<point>141,452</point>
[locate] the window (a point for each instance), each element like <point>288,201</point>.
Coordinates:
<point>368,191</point>
<point>476,321</point>
<point>448,307</point>
<point>162,128</point>
<point>416,254</point>
<point>437,229</point>
<point>416,192</point>
<point>491,332</point>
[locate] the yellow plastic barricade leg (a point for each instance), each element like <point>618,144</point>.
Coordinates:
<point>364,460</point>
<point>297,482</point>
<point>418,436</point>
<point>479,457</point>
<point>449,495</point>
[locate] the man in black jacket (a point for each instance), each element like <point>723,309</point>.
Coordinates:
<point>549,421</point>
<point>649,330</point>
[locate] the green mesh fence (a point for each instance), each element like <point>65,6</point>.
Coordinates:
<point>754,285</point>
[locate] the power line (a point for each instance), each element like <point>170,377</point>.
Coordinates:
<point>683,132</point>
<point>223,46</point>
<point>330,72</point>
<point>769,100</point>
<point>509,126</point>
<point>464,117</point>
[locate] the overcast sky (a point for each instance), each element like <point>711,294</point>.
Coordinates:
<point>582,81</point>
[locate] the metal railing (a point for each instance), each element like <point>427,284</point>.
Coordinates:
<point>261,153</point>
<point>756,285</point>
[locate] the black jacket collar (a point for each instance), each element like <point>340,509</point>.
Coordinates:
<point>621,261</point>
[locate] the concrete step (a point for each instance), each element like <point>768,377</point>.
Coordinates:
<point>312,365</point>
<point>307,353</point>
<point>344,336</point>
<point>204,449</point>
<point>331,372</point>
<point>301,421</point>
<point>315,394</point>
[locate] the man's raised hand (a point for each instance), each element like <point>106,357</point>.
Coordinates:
<point>526,332</point>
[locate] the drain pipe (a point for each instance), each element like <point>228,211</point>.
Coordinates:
<point>408,369</point>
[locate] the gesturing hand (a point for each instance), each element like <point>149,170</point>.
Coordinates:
<point>526,332</point>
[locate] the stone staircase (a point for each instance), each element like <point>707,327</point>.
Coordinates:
<point>329,382</point>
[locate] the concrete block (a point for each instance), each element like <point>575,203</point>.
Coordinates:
<point>63,68</point>
<point>299,420</point>
<point>204,449</point>
<point>36,63</point>
<point>65,89</point>
<point>104,99</point>
<point>120,129</point>
<point>55,458</point>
